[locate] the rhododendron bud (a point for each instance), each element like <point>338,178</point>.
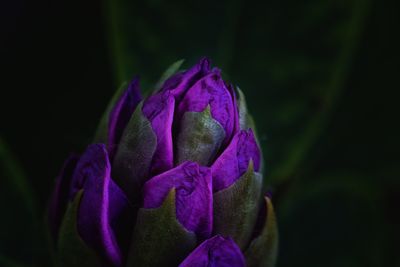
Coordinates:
<point>171,180</point>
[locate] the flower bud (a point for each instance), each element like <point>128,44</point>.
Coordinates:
<point>164,175</point>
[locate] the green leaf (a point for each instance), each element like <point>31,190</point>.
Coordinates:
<point>4,261</point>
<point>134,155</point>
<point>158,238</point>
<point>263,250</point>
<point>171,70</point>
<point>18,204</point>
<point>326,88</point>
<point>236,207</point>
<point>71,250</point>
<point>102,128</point>
<point>200,138</point>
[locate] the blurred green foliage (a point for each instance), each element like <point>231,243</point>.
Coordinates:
<point>318,77</point>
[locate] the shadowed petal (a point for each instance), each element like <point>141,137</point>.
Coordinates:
<point>193,195</point>
<point>92,162</point>
<point>159,110</point>
<point>236,122</point>
<point>60,196</point>
<point>121,113</point>
<point>104,209</point>
<point>234,161</point>
<point>217,252</point>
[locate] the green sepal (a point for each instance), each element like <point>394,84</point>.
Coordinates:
<point>171,70</point>
<point>263,250</point>
<point>200,137</point>
<point>236,207</point>
<point>71,250</point>
<point>102,129</point>
<point>158,238</point>
<point>135,152</point>
<point>246,121</point>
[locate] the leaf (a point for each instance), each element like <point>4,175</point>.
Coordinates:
<point>71,250</point>
<point>263,250</point>
<point>158,238</point>
<point>324,90</point>
<point>4,261</point>
<point>102,128</point>
<point>340,211</point>
<point>135,152</point>
<point>171,70</point>
<point>18,239</point>
<point>236,207</point>
<point>200,138</point>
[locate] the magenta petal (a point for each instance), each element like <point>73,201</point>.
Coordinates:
<point>211,90</point>
<point>159,110</point>
<point>217,252</point>
<point>236,124</point>
<point>104,209</point>
<point>90,162</point>
<point>193,195</point>
<point>234,161</point>
<point>60,195</point>
<point>121,113</point>
<point>179,83</point>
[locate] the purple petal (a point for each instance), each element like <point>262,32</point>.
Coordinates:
<point>211,90</point>
<point>234,161</point>
<point>59,198</point>
<point>90,162</point>
<point>104,209</point>
<point>193,195</point>
<point>179,83</point>
<point>121,113</point>
<point>236,123</point>
<point>159,110</point>
<point>217,252</point>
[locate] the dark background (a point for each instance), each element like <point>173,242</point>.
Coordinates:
<point>321,79</point>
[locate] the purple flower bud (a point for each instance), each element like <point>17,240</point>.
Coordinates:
<point>216,251</point>
<point>234,161</point>
<point>182,169</point>
<point>193,195</point>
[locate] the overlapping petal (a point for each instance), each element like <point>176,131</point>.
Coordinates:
<point>217,252</point>
<point>60,195</point>
<point>159,110</point>
<point>121,113</point>
<point>234,161</point>
<point>104,210</point>
<point>211,90</point>
<point>193,195</point>
<point>179,83</point>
